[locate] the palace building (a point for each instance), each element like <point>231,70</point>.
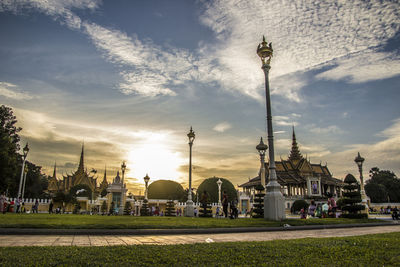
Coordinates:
<point>299,178</point>
<point>80,176</point>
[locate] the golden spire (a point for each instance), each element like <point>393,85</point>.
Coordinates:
<point>81,162</point>
<point>295,152</point>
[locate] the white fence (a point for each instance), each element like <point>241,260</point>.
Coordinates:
<point>29,200</point>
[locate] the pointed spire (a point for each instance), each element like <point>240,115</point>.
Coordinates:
<point>295,152</point>
<point>105,174</point>
<point>81,164</point>
<point>55,170</point>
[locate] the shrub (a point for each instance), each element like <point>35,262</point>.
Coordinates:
<point>298,205</point>
<point>103,207</point>
<point>127,208</point>
<point>166,189</point>
<point>352,198</point>
<point>170,208</point>
<point>210,186</point>
<point>144,210</point>
<point>258,207</point>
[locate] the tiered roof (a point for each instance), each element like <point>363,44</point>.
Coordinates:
<point>296,169</point>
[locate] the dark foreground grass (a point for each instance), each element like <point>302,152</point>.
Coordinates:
<point>368,250</point>
<point>70,221</point>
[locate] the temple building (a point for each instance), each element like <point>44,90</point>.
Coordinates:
<point>79,177</point>
<point>299,178</point>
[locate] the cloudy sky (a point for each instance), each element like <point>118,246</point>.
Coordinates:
<point>129,78</point>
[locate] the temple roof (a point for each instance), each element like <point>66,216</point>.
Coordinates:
<point>296,169</point>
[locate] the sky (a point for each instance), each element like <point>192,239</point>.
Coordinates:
<point>129,78</point>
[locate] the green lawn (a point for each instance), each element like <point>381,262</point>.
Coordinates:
<point>368,250</point>
<point>64,221</point>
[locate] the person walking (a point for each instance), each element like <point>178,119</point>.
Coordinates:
<point>18,202</point>
<point>51,207</point>
<point>36,206</point>
<point>325,209</point>
<point>225,204</point>
<point>312,208</point>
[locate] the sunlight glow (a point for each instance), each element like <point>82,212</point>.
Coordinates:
<point>153,156</point>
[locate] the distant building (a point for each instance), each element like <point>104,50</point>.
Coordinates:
<point>80,176</point>
<point>299,178</point>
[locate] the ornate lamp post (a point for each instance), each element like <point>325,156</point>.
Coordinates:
<point>359,161</point>
<point>219,183</point>
<point>23,187</point>
<point>146,181</point>
<point>189,203</point>
<point>274,203</point>
<point>261,147</point>
<point>123,168</point>
<point>25,150</point>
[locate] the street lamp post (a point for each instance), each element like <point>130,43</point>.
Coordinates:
<point>274,203</point>
<point>25,150</point>
<point>146,181</point>
<point>189,202</point>
<point>23,187</point>
<point>122,204</point>
<point>219,183</point>
<point>123,168</point>
<point>359,161</point>
<point>261,147</point>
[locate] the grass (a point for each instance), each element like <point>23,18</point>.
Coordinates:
<point>70,221</point>
<point>368,250</point>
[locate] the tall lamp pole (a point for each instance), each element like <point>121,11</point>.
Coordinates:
<point>261,147</point>
<point>274,203</point>
<point>23,187</point>
<point>219,183</point>
<point>123,168</point>
<point>146,181</point>
<point>189,203</point>
<point>359,161</point>
<point>25,150</point>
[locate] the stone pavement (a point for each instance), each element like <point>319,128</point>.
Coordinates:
<point>112,240</point>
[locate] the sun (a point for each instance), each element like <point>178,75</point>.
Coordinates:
<point>156,159</point>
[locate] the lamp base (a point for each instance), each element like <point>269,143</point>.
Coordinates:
<point>189,209</point>
<point>274,204</point>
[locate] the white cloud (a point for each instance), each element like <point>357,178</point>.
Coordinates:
<point>325,130</point>
<point>222,127</point>
<point>363,66</point>
<point>11,91</point>
<point>284,121</point>
<point>305,34</point>
<point>58,9</point>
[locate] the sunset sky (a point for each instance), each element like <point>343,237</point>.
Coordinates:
<point>128,79</point>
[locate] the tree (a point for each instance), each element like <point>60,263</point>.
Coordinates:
<point>127,208</point>
<point>11,160</point>
<point>170,208</point>
<point>210,186</point>
<point>352,198</point>
<point>9,147</point>
<point>36,182</point>
<point>258,206</point>
<point>103,192</point>
<point>166,189</point>
<point>376,192</point>
<point>384,186</point>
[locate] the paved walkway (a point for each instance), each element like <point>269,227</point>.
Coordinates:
<point>112,240</point>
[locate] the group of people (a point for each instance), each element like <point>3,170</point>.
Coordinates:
<point>320,210</point>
